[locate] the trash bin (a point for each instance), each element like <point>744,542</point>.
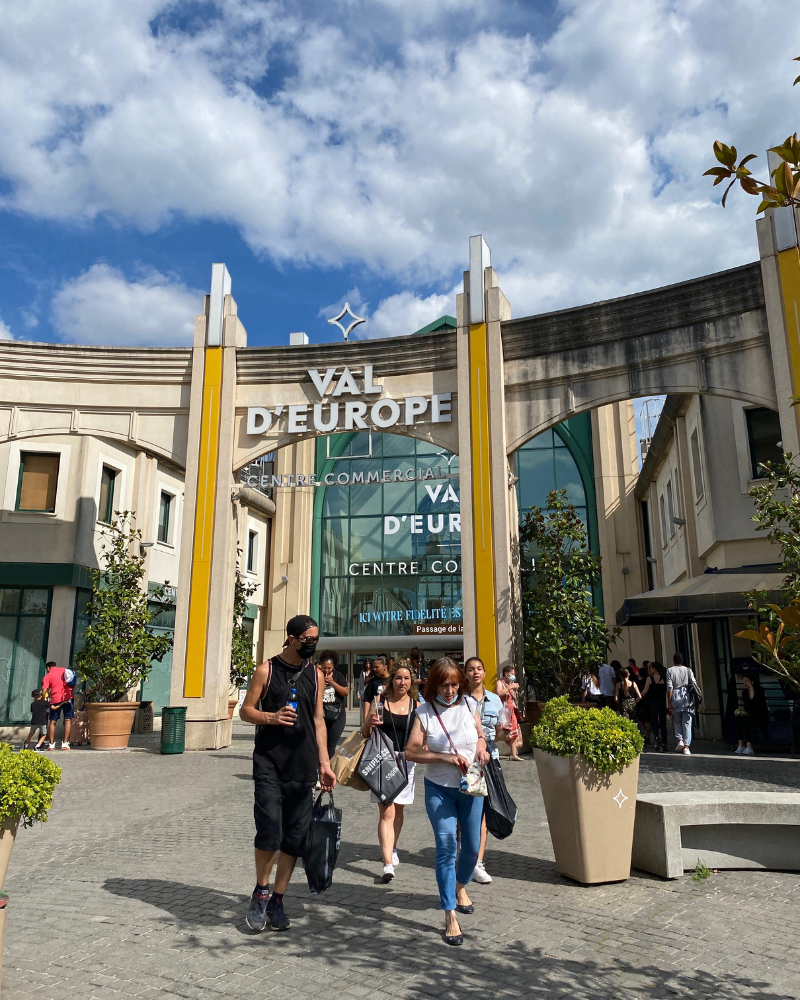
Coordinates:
<point>173,730</point>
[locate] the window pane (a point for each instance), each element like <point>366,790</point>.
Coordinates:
<point>334,606</point>
<point>8,632</point>
<point>764,431</point>
<point>9,600</point>
<point>34,602</point>
<point>568,477</point>
<point>536,477</point>
<point>163,517</point>
<point>38,481</point>
<point>335,546</point>
<point>543,440</point>
<point>107,479</point>
<point>697,467</point>
<point>27,664</point>
<point>365,539</point>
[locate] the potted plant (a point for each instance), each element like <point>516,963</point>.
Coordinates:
<point>242,662</point>
<point>588,765</point>
<point>119,647</point>
<point>27,783</point>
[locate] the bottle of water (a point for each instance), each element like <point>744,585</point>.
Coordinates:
<point>292,702</point>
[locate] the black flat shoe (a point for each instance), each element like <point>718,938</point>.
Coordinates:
<point>465,909</point>
<point>454,939</point>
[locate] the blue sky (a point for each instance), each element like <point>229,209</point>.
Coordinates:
<point>349,148</point>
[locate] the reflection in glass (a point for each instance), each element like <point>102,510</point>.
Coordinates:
<point>9,600</point>
<point>34,602</point>
<point>27,661</point>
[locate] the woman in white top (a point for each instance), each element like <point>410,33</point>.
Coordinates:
<point>447,737</point>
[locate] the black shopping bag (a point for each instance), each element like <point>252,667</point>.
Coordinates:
<point>322,849</point>
<point>500,809</point>
<point>383,769</point>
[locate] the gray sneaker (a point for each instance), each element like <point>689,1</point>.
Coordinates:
<point>257,913</point>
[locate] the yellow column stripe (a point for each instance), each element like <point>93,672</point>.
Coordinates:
<point>199,597</point>
<point>789,267</point>
<point>482,521</point>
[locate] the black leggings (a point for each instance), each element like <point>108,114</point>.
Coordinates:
<point>658,723</point>
<point>744,728</point>
<point>335,728</point>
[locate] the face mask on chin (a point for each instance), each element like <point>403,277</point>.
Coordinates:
<point>447,704</point>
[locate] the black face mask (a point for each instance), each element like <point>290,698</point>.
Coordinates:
<point>306,650</point>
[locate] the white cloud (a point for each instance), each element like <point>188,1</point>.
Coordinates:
<point>405,313</point>
<point>5,332</point>
<point>577,155</point>
<point>101,306</point>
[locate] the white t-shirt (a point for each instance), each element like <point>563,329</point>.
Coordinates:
<point>460,724</point>
<point>608,680</point>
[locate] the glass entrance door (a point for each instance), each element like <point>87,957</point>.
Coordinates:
<point>24,621</point>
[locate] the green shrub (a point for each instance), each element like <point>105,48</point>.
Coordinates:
<point>606,740</point>
<point>27,783</point>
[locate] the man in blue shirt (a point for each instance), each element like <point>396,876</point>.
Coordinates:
<point>608,682</point>
<point>488,706</point>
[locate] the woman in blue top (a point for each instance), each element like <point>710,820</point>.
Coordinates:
<point>488,705</point>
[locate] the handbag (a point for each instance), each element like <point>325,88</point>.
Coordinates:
<point>694,690</point>
<point>331,710</point>
<point>322,848</point>
<point>383,768</point>
<point>473,781</point>
<point>344,762</point>
<point>501,810</point>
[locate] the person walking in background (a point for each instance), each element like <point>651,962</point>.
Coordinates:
<point>626,694</point>
<point>489,707</point>
<point>334,697</point>
<point>608,683</point>
<point>418,665</point>
<point>591,688</point>
<point>655,696</point>
<point>376,685</point>
<point>680,700</point>
<point>642,714</point>
<point>56,683</point>
<point>284,702</point>
<point>447,737</point>
<point>507,688</point>
<point>752,713</point>
<point>38,721</point>
<point>395,710</point>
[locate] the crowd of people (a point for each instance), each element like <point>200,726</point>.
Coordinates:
<point>439,714</point>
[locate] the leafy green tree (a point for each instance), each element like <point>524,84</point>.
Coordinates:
<point>783,186</point>
<point>119,647</point>
<point>242,662</point>
<point>776,634</point>
<point>564,633</point>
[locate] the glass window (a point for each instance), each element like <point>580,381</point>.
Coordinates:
<point>697,467</point>
<point>38,479</point>
<point>764,433</point>
<point>252,554</point>
<point>663,519</point>
<point>388,534</point>
<point>106,509</point>
<point>670,509</point>
<point>164,511</point>
<point>23,634</point>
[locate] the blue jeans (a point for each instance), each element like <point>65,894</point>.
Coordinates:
<point>448,808</point>
<point>682,723</point>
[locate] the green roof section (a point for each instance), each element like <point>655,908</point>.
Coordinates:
<point>442,323</point>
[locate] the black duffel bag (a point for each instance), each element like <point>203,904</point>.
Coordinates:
<point>500,809</point>
<point>322,848</point>
<point>383,769</point>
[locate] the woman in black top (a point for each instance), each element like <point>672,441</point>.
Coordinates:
<point>655,691</point>
<point>395,711</point>
<point>753,713</point>
<point>334,697</point>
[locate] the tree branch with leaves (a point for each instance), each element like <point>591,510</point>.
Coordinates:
<point>242,662</point>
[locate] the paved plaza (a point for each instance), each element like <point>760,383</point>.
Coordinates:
<point>138,884</point>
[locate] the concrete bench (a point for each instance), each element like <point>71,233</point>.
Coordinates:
<point>675,830</point>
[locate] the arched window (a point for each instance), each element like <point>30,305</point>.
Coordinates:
<point>387,552</point>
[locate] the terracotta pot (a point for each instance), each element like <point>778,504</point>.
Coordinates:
<point>590,815</point>
<point>7,833</point>
<point>110,723</point>
<point>232,703</point>
<point>533,711</point>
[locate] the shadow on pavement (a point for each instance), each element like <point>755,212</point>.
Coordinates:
<point>377,934</point>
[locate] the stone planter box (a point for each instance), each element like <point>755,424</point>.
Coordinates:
<point>591,817</point>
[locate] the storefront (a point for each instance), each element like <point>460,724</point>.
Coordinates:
<point>24,624</point>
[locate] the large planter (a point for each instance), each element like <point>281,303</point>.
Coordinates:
<point>590,815</point>
<point>232,703</point>
<point>7,833</point>
<point>110,723</point>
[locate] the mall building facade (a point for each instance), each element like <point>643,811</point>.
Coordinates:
<point>378,485</point>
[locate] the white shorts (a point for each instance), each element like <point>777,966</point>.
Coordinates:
<point>406,797</point>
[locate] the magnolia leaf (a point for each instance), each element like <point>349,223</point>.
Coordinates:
<point>723,153</point>
<point>750,156</point>
<point>749,185</point>
<point>727,191</point>
<point>750,634</point>
<point>717,172</point>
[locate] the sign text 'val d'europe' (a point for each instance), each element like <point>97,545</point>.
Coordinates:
<point>349,415</point>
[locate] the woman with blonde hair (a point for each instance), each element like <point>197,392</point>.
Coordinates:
<point>394,710</point>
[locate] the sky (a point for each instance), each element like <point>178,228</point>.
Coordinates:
<point>333,150</point>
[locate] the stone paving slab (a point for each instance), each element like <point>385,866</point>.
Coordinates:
<point>138,884</point>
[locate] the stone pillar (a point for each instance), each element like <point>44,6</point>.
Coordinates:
<point>780,270</point>
<point>483,467</point>
<point>201,657</point>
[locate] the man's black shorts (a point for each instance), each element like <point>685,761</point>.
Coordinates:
<point>282,810</point>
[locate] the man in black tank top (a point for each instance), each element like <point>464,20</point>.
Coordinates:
<point>290,752</point>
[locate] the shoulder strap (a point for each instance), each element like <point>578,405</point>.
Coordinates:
<point>449,737</point>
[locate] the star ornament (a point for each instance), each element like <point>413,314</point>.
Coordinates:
<point>620,797</point>
<point>356,320</point>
